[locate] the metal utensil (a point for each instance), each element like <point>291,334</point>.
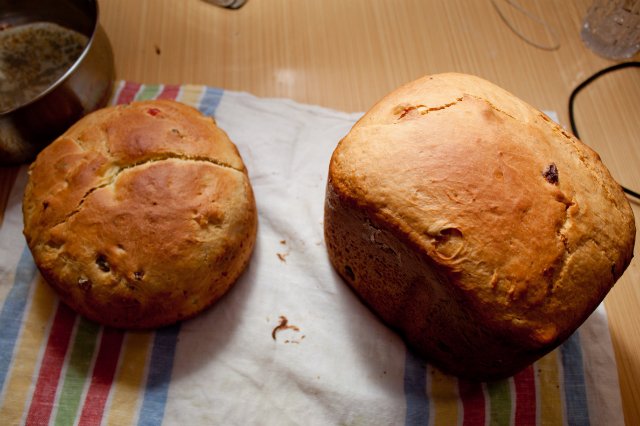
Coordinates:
<point>84,87</point>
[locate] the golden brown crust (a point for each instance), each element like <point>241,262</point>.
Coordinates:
<point>140,215</point>
<point>515,229</point>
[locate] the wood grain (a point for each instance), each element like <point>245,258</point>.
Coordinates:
<point>346,54</point>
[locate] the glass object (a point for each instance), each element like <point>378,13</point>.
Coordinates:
<point>611,28</point>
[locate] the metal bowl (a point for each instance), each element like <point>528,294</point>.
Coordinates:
<point>84,87</point>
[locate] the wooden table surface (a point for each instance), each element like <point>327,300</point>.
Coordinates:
<point>346,54</point>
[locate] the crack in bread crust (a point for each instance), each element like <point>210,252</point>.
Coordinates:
<point>120,170</point>
<point>403,110</point>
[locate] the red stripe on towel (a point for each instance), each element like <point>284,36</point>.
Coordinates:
<point>473,403</point>
<point>128,92</point>
<point>525,384</point>
<point>103,373</point>
<point>51,366</point>
<point>170,91</point>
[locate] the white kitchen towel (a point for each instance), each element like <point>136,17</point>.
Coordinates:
<point>289,344</point>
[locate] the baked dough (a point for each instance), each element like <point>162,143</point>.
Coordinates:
<point>140,215</point>
<point>473,225</point>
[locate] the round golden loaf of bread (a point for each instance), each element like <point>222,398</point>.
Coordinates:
<point>140,215</point>
<point>473,225</point>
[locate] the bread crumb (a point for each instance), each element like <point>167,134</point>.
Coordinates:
<point>282,256</point>
<point>284,325</point>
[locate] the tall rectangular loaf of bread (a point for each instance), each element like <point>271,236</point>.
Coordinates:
<point>474,225</point>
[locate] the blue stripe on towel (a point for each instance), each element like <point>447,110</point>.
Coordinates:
<point>210,100</point>
<point>575,392</point>
<point>160,367</point>
<point>13,310</point>
<point>415,390</point>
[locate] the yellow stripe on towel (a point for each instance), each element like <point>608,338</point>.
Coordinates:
<point>31,343</point>
<point>129,382</point>
<point>191,94</point>
<point>549,397</point>
<point>443,392</point>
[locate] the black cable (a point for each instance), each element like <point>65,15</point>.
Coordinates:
<point>585,84</point>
